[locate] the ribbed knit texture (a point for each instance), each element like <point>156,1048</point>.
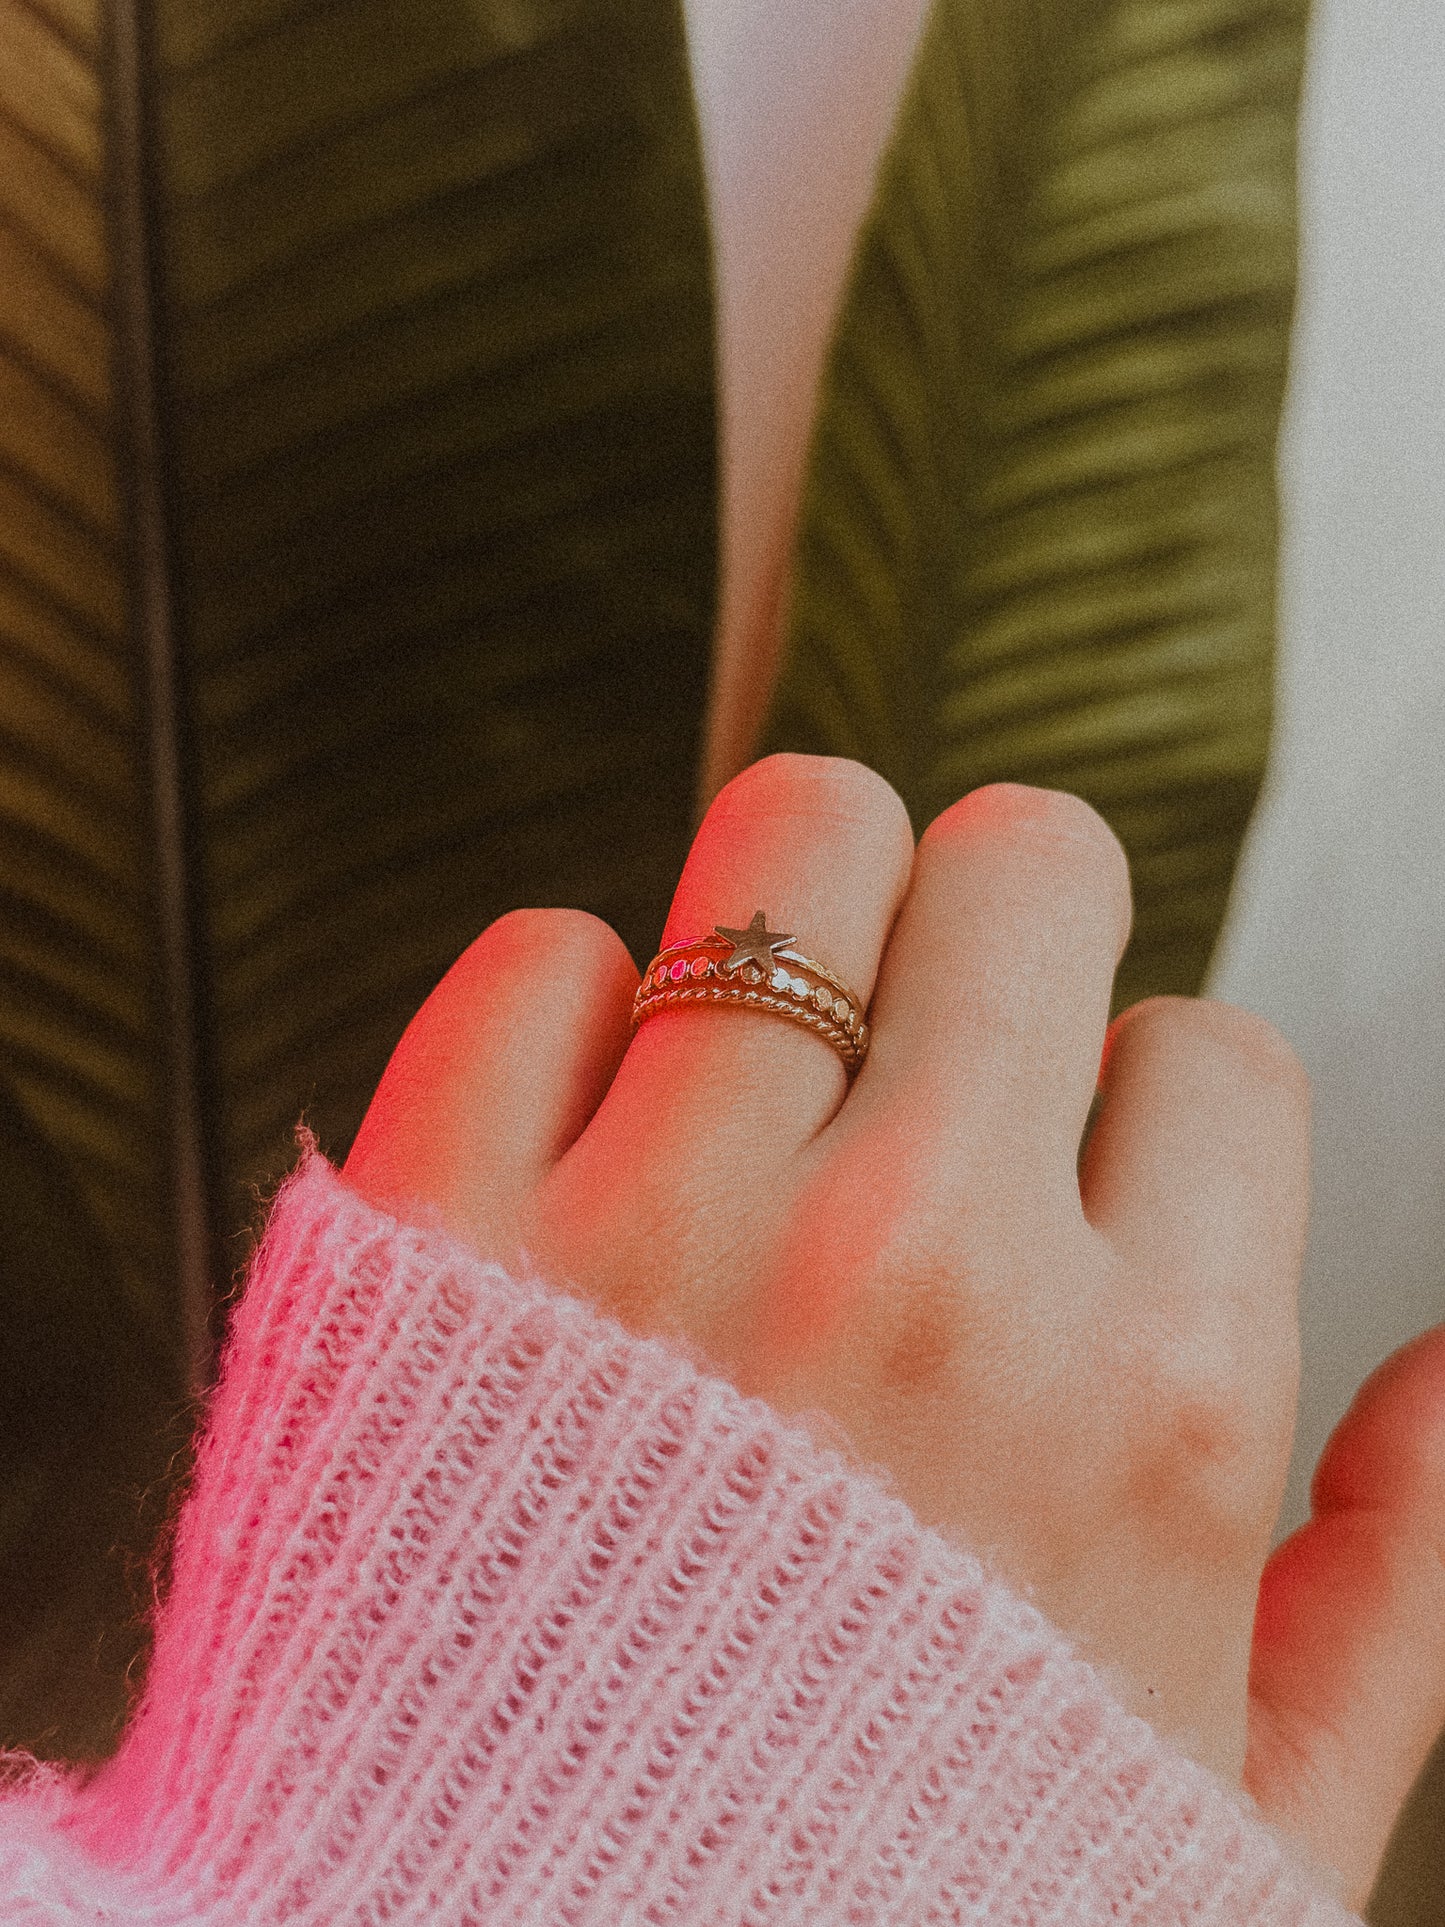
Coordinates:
<point>484,1611</point>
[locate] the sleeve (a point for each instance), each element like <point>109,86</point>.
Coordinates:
<point>485,1612</point>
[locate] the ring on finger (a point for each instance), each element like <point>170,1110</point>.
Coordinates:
<point>755,969</point>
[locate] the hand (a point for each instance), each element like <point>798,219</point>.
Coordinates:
<point>1083,1367</point>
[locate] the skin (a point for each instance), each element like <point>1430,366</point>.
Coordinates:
<point>1080,1356</point>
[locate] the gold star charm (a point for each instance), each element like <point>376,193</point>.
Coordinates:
<point>756,944</point>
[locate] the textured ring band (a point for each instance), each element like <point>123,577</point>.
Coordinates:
<point>757,969</point>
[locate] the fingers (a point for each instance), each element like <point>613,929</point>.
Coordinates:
<point>498,1072</point>
<point>1198,1164</point>
<point>994,995</point>
<point>1347,1674</point>
<point>823,846</point>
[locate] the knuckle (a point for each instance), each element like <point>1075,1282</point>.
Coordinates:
<point>1036,815</point>
<point>562,940</point>
<point>1248,1043</point>
<point>1211,1463</point>
<point>790,782</point>
<point>1068,835</point>
<point>1214,1421</point>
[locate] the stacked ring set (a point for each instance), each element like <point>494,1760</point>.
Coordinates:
<point>756,968</point>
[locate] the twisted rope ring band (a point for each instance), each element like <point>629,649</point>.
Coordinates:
<point>757,969</point>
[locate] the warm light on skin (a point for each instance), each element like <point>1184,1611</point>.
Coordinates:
<point>1087,1368</point>
<point>498,1074</point>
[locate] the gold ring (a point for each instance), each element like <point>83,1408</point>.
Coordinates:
<point>758,969</point>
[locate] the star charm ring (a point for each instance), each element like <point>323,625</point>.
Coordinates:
<point>755,968</point>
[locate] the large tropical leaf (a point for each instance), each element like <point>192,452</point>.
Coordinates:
<point>357,544</point>
<point>88,1425</point>
<point>1038,536</point>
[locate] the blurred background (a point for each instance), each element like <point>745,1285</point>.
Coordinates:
<point>440,442</point>
<point>1337,927</point>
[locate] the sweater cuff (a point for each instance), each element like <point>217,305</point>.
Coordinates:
<point>485,1610</point>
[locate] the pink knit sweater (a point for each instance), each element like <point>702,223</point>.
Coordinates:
<point>484,1611</point>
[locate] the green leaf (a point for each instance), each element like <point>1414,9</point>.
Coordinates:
<point>357,551</point>
<point>1037,541</point>
<point>89,1422</point>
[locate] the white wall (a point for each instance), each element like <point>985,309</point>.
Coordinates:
<point>795,102</point>
<point>1337,930</point>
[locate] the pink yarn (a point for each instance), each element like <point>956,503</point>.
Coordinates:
<point>486,1612</point>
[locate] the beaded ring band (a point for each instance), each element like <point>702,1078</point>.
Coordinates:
<point>757,969</point>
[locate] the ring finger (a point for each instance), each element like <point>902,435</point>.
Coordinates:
<point>824,848</point>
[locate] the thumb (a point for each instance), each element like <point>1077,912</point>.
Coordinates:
<point>1347,1670</point>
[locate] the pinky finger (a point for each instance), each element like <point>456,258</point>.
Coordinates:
<point>1197,1167</point>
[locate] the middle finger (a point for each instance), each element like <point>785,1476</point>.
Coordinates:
<point>993,997</point>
